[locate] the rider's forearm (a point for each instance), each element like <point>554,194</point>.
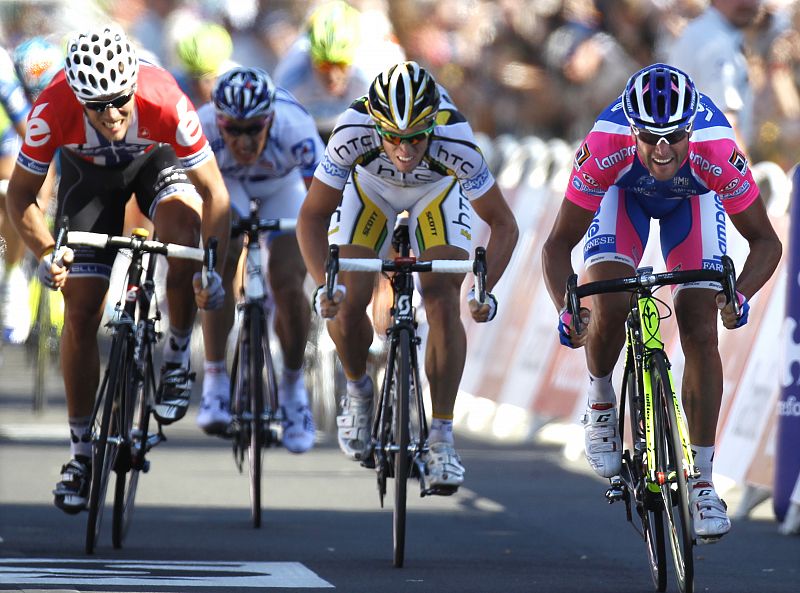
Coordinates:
<point>556,268</point>
<point>28,219</point>
<point>501,245</point>
<point>217,223</point>
<point>312,236</point>
<point>761,262</point>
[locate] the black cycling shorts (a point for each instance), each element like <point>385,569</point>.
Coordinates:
<point>94,198</point>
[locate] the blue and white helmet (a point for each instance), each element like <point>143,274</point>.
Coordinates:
<point>242,93</point>
<point>37,61</point>
<point>660,99</point>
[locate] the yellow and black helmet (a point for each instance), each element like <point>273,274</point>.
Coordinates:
<point>403,96</point>
<point>334,33</point>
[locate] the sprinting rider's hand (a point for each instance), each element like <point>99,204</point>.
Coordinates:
<point>566,328</point>
<point>328,308</point>
<point>482,312</point>
<point>54,267</point>
<point>729,318</point>
<point>213,295</point>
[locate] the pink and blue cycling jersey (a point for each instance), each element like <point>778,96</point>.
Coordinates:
<point>609,179</point>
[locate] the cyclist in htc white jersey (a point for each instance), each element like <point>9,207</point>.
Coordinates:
<point>267,148</point>
<point>404,146</point>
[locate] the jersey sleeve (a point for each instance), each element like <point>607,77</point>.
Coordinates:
<point>169,112</point>
<point>43,134</point>
<point>600,159</point>
<point>724,169</point>
<point>341,152</point>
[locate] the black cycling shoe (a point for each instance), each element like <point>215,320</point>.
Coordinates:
<point>172,399</point>
<point>72,492</point>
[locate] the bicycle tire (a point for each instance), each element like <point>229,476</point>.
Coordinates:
<point>255,331</point>
<point>135,428</point>
<point>674,488</point>
<point>649,510</point>
<point>41,335</point>
<point>239,400</point>
<point>401,455</point>
<point>103,449</point>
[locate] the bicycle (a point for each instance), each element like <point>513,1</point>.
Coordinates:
<point>121,436</point>
<point>400,428</point>
<point>657,467</point>
<point>255,411</point>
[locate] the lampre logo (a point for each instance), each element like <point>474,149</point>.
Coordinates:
<point>739,161</point>
<point>582,155</point>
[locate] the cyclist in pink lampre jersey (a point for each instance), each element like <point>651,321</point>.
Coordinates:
<point>123,127</point>
<point>662,151</point>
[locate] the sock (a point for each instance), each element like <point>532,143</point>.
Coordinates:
<point>292,376</point>
<point>291,390</point>
<point>601,391</point>
<point>704,461</point>
<point>360,388</point>
<point>215,381</point>
<point>80,438</point>
<point>441,430</point>
<point>176,347</point>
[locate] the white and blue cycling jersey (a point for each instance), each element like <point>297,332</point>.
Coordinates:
<point>291,154</point>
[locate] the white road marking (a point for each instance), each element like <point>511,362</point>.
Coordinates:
<point>150,574</point>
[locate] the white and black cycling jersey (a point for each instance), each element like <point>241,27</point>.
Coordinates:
<point>452,152</point>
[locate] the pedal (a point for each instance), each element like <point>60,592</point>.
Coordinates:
<point>706,540</point>
<point>439,491</point>
<point>616,490</point>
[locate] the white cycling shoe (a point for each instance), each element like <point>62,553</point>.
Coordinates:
<point>214,415</point>
<point>297,421</point>
<point>601,439</point>
<point>709,512</point>
<point>444,472</point>
<point>354,426</point>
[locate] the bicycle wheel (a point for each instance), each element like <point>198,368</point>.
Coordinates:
<point>672,476</point>
<point>41,336</point>
<point>131,460</point>
<point>256,381</point>
<point>104,443</point>
<point>401,455</point>
<point>648,506</point>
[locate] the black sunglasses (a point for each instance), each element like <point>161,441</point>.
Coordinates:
<point>245,131</point>
<point>653,139</point>
<point>116,103</point>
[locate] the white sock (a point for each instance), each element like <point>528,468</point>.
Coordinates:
<point>601,391</point>
<point>441,431</point>
<point>360,388</point>
<point>176,347</point>
<point>80,437</point>
<point>215,379</point>
<point>292,376</point>
<point>704,461</point>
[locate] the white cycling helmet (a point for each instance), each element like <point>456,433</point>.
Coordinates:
<point>101,63</point>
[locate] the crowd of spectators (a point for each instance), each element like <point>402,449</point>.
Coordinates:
<point>524,67</point>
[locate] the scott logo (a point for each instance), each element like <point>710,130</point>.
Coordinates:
<point>404,306</point>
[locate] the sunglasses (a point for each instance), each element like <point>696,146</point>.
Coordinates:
<point>329,66</point>
<point>251,130</point>
<point>397,139</point>
<point>116,103</point>
<point>653,139</point>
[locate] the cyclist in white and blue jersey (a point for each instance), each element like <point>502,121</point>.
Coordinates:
<point>267,147</point>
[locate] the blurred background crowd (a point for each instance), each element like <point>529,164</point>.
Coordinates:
<point>525,67</point>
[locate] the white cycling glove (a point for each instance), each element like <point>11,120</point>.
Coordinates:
<point>490,300</point>
<point>62,258</point>
<point>214,289</point>
<point>316,302</point>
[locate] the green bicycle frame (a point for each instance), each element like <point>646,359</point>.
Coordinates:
<point>649,326</point>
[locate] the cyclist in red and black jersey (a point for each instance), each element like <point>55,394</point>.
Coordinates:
<point>124,127</point>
